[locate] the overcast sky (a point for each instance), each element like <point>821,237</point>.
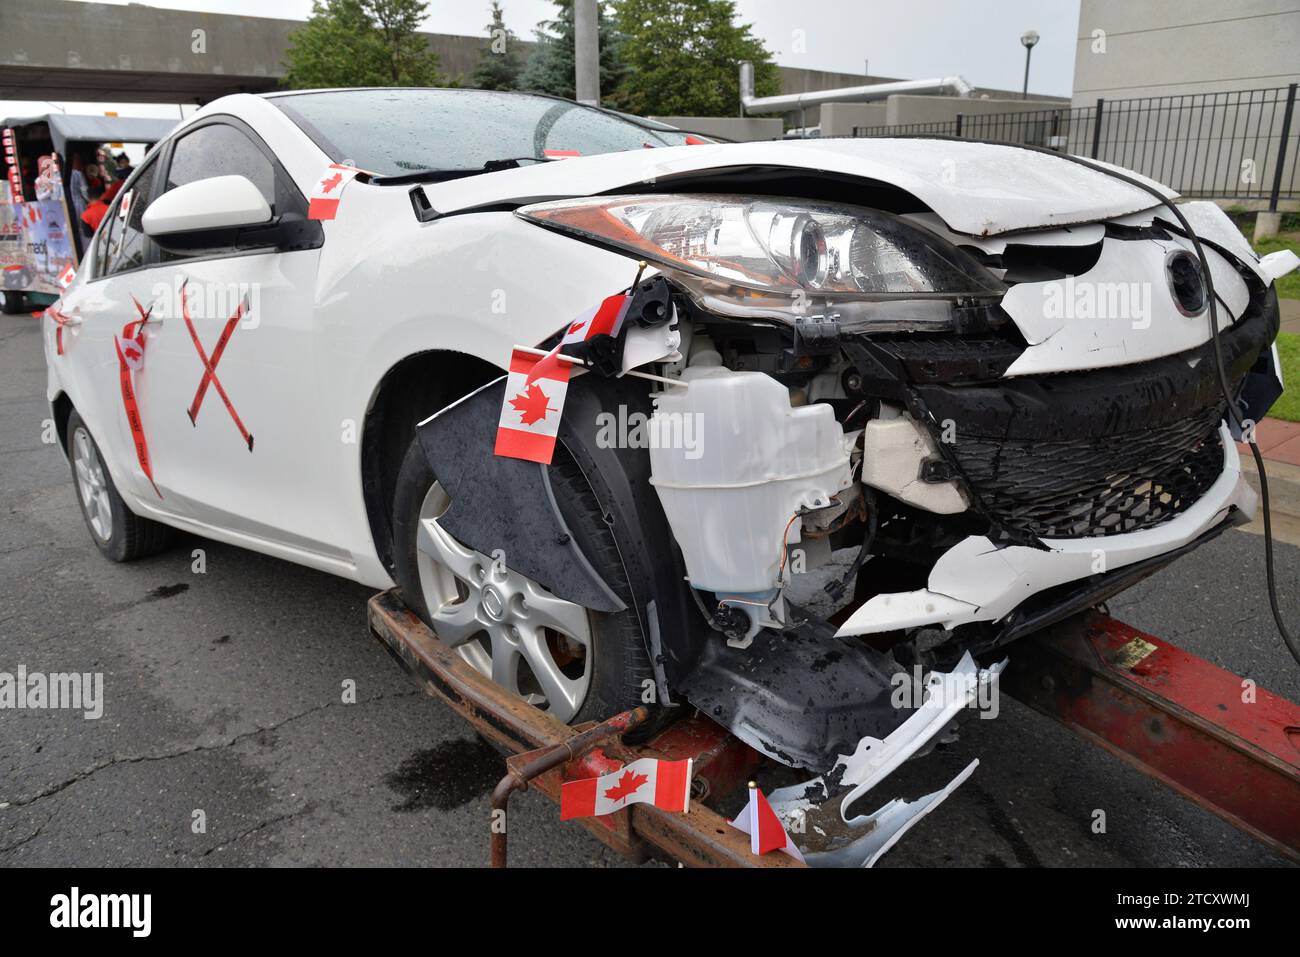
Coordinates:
<point>908,39</point>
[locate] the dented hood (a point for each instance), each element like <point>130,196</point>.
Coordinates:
<point>976,188</point>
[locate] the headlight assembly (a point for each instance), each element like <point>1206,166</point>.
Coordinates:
<point>782,257</point>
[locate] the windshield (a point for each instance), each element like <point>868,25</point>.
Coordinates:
<point>396,131</point>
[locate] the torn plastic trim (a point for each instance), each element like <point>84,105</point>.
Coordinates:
<point>824,802</point>
<point>886,827</point>
<point>874,759</point>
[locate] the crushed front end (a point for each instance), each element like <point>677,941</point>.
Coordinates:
<point>883,450</point>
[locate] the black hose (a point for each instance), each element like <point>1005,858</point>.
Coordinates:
<point>1224,387</point>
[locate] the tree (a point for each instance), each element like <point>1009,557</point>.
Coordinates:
<point>550,68</point>
<point>498,63</point>
<point>683,58</point>
<point>361,43</point>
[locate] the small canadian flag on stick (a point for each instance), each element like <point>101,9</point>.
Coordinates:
<point>765,830</point>
<point>665,784</point>
<point>530,414</point>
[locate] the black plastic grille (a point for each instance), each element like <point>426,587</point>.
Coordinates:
<point>1090,487</point>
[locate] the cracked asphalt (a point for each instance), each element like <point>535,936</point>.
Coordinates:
<point>226,740</point>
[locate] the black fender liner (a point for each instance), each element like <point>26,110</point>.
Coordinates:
<point>504,503</point>
<point>801,697</point>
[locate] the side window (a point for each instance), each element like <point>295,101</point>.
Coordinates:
<point>220,149</point>
<point>125,246</point>
<point>106,239</point>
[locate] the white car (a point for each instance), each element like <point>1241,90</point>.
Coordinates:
<point>982,374</point>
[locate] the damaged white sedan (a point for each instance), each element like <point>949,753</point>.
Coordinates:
<point>976,381</point>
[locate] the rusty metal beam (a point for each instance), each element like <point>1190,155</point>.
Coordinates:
<point>1230,747</point>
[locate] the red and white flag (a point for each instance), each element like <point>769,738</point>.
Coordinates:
<point>605,319</point>
<point>65,278</point>
<point>665,784</point>
<point>530,414</point>
<point>131,351</point>
<point>765,830</point>
<point>329,186</point>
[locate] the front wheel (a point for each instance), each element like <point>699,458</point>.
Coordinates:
<point>574,663</point>
<point>118,532</point>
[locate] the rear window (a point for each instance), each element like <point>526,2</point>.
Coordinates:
<point>397,131</point>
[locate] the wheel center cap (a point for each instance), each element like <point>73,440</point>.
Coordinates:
<point>493,603</point>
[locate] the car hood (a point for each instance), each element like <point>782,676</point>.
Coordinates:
<point>980,189</point>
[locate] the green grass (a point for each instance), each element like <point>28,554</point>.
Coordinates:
<point>1288,405</point>
<point>1288,287</point>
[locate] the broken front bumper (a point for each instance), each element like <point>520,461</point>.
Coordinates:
<point>977,580</point>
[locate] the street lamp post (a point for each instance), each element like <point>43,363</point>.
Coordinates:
<point>1029,38</point>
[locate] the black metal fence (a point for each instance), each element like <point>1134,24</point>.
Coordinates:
<point>1239,144</point>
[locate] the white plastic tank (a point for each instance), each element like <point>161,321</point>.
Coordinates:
<point>756,465</point>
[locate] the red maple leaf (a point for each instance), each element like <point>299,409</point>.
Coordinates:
<point>329,184</point>
<point>627,785</point>
<point>531,404</point>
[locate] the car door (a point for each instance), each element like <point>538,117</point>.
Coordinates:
<point>96,308</point>
<point>227,395</point>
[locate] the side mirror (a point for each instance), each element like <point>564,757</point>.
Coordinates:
<point>210,213</point>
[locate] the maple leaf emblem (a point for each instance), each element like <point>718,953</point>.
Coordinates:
<point>531,404</point>
<point>328,184</point>
<point>627,785</point>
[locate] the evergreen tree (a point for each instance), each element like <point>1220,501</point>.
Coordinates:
<point>498,64</point>
<point>551,67</point>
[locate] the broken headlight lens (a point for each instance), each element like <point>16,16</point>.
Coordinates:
<point>758,247</point>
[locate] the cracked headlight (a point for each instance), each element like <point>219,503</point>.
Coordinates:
<point>747,255</point>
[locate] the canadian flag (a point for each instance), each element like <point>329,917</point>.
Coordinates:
<point>329,186</point>
<point>665,784</point>
<point>530,414</point>
<point>124,207</point>
<point>765,830</point>
<point>65,278</point>
<point>132,352</point>
<point>605,319</point>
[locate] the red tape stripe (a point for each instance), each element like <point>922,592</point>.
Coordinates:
<point>210,370</point>
<point>134,330</point>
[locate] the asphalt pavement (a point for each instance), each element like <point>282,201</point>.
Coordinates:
<point>226,737</point>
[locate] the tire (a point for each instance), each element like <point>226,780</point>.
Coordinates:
<point>619,665</point>
<point>14,303</point>
<point>125,536</point>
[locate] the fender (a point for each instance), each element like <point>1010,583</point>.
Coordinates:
<point>508,504</point>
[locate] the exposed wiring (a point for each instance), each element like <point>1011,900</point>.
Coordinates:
<point>1224,387</point>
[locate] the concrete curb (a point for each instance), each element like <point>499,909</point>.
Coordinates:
<point>1283,494</point>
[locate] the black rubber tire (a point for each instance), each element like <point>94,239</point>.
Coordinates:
<point>620,664</point>
<point>14,303</point>
<point>131,536</point>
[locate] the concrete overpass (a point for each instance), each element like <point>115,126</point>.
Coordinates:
<point>99,52</point>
